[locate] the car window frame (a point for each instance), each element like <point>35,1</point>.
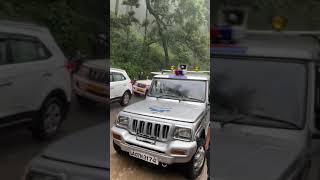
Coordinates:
<point>113,79</point>
<point>35,40</point>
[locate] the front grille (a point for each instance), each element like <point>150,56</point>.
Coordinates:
<point>98,75</point>
<point>141,85</point>
<point>150,130</point>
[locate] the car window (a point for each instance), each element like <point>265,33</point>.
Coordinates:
<point>251,86</point>
<point>118,77</point>
<point>110,77</point>
<point>3,54</point>
<point>27,51</point>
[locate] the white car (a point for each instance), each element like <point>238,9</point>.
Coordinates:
<point>120,86</point>
<point>34,81</point>
<point>141,87</point>
<point>90,81</point>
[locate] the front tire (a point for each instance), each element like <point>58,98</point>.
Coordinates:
<point>48,121</point>
<point>125,98</point>
<point>117,148</point>
<point>195,166</point>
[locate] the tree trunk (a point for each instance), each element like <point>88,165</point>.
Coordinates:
<point>160,31</point>
<point>117,8</point>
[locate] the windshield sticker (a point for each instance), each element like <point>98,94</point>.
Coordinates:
<point>159,109</point>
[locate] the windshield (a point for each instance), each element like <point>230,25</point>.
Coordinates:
<point>185,90</point>
<point>273,90</point>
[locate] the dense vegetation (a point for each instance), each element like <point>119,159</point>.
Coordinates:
<point>301,15</point>
<point>73,23</point>
<point>172,32</point>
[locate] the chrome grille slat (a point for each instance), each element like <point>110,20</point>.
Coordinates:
<point>161,128</point>
<point>150,130</point>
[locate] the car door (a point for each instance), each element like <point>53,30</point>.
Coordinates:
<point>119,84</point>
<point>112,91</point>
<point>6,81</point>
<point>315,126</point>
<point>29,73</point>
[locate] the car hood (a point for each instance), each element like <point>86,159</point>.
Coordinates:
<point>173,110</point>
<point>146,82</point>
<point>88,148</point>
<point>99,63</point>
<point>242,157</point>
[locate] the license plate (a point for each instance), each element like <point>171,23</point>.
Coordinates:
<point>145,157</point>
<point>96,89</point>
<point>140,90</point>
<point>150,141</point>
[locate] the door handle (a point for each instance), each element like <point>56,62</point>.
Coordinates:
<point>5,84</point>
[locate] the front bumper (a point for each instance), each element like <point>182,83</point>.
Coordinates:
<point>139,90</point>
<point>80,88</point>
<point>161,150</point>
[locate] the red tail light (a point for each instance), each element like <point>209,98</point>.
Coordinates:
<point>132,82</point>
<point>70,66</point>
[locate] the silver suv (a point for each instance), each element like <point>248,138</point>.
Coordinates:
<point>170,125</point>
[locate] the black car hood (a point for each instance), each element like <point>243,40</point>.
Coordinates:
<point>250,157</point>
<point>88,148</point>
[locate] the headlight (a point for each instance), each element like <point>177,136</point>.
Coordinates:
<point>123,121</point>
<point>181,133</point>
<point>33,175</point>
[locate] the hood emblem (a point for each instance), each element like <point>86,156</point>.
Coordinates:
<point>156,109</point>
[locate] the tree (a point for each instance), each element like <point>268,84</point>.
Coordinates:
<point>160,11</point>
<point>129,18</point>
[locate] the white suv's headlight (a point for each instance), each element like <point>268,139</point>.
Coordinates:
<point>181,133</point>
<point>123,121</point>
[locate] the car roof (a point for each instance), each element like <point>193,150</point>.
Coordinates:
<point>22,28</point>
<point>272,44</point>
<point>117,70</point>
<point>190,76</point>
<point>86,147</point>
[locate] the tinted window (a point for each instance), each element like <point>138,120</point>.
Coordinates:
<point>3,54</point>
<point>27,50</point>
<point>187,90</point>
<point>252,87</point>
<point>118,77</point>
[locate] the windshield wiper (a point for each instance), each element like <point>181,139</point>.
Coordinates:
<point>275,120</point>
<point>191,99</point>
<point>242,116</point>
<point>235,118</point>
<point>167,95</point>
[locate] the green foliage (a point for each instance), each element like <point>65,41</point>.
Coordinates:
<point>183,26</point>
<point>70,22</point>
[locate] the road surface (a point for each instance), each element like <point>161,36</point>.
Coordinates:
<point>17,147</point>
